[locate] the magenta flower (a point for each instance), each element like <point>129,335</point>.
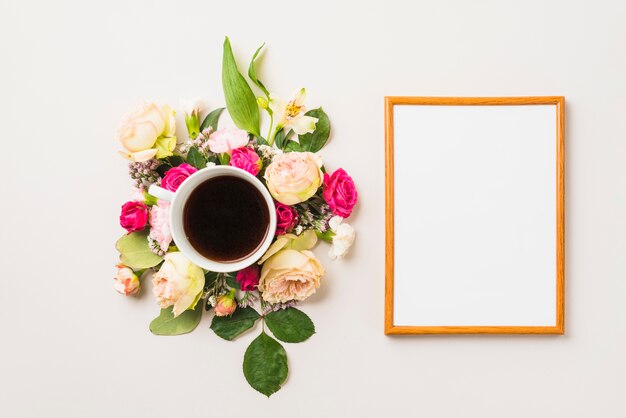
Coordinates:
<point>248,278</point>
<point>134,216</point>
<point>340,193</point>
<point>176,175</point>
<point>246,159</point>
<point>286,218</point>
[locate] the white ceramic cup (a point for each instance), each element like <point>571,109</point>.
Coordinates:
<point>178,200</point>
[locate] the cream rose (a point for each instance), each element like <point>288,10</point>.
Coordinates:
<point>179,282</point>
<point>294,177</point>
<point>126,281</point>
<point>148,131</point>
<point>290,275</point>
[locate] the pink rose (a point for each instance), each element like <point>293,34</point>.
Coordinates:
<point>340,193</point>
<point>286,218</point>
<point>246,159</point>
<point>176,175</point>
<point>225,140</point>
<point>134,216</point>
<point>248,278</point>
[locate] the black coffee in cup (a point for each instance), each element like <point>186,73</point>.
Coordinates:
<point>226,219</point>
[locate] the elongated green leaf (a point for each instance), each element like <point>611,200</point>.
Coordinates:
<point>134,251</point>
<point>290,325</point>
<point>166,324</point>
<point>265,364</point>
<point>229,327</point>
<point>195,158</point>
<point>252,72</point>
<point>240,99</point>
<point>316,140</point>
<point>212,119</point>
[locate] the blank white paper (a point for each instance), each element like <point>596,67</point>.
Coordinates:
<point>475,215</point>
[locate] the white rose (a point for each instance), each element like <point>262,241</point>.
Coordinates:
<point>179,282</point>
<point>343,238</point>
<point>141,130</point>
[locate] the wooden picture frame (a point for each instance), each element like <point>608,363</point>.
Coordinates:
<point>392,327</point>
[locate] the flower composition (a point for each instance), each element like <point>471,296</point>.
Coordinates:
<point>311,204</point>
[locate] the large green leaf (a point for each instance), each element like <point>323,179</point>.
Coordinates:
<point>134,251</point>
<point>252,72</point>
<point>229,327</point>
<point>195,158</point>
<point>265,364</point>
<point>316,140</point>
<point>240,99</point>
<point>167,324</point>
<point>212,119</point>
<point>290,325</point>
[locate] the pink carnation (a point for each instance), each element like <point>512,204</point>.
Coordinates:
<point>246,159</point>
<point>160,224</point>
<point>248,278</point>
<point>176,175</point>
<point>340,193</point>
<point>225,140</point>
<point>134,216</point>
<point>286,218</point>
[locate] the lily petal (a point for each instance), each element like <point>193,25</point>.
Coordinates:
<point>303,124</point>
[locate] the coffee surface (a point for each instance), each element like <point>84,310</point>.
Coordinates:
<point>226,219</point>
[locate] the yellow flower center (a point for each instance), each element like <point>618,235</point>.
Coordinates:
<point>292,109</point>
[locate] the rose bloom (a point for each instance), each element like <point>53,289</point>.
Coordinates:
<point>294,177</point>
<point>340,193</point>
<point>246,159</point>
<point>343,237</point>
<point>126,281</point>
<point>176,175</point>
<point>226,304</point>
<point>248,278</point>
<point>179,282</point>
<point>160,224</point>
<point>134,216</point>
<point>286,218</point>
<point>290,275</point>
<point>225,140</point>
<point>140,130</point>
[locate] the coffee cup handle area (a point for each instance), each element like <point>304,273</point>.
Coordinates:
<point>160,193</point>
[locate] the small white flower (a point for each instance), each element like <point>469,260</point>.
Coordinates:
<point>343,238</point>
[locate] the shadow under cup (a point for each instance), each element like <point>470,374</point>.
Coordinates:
<point>226,219</point>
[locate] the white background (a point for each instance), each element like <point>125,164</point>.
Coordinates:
<point>71,347</point>
<point>475,210</point>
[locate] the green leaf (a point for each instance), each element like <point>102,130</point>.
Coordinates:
<point>134,251</point>
<point>231,280</point>
<point>209,279</point>
<point>265,364</point>
<point>316,140</point>
<point>229,327</point>
<point>252,72</point>
<point>290,325</point>
<point>240,99</point>
<point>195,158</point>
<point>175,160</point>
<point>212,119</point>
<point>279,139</point>
<point>167,324</point>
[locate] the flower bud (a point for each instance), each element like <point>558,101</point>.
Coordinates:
<point>226,304</point>
<point>262,102</point>
<point>126,281</point>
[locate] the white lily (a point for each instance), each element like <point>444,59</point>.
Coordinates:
<point>291,115</point>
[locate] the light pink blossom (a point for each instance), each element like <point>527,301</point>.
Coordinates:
<point>225,140</point>
<point>160,224</point>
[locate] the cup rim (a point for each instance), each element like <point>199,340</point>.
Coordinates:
<point>177,207</point>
